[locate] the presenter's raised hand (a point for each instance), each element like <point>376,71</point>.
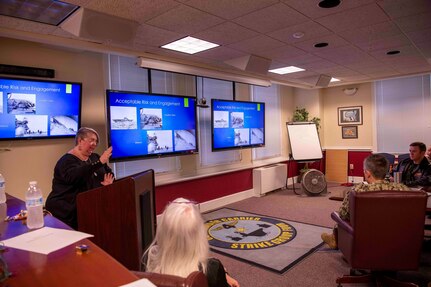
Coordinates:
<point>108,179</point>
<point>106,155</point>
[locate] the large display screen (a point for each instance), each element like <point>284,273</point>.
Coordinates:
<point>39,109</point>
<point>237,124</point>
<point>150,125</point>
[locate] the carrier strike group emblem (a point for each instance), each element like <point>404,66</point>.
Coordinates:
<point>248,232</point>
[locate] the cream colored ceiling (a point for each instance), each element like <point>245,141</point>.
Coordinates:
<point>359,33</point>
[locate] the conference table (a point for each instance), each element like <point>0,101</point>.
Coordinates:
<point>64,267</point>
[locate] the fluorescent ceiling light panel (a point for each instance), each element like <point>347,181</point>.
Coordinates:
<point>286,70</point>
<point>190,45</point>
<point>334,80</point>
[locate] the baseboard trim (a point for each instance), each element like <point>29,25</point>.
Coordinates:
<point>355,179</point>
<point>228,199</point>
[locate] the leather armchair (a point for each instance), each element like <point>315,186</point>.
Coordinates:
<point>384,235</point>
<point>195,279</point>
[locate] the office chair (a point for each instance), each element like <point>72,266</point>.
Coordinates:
<point>403,156</point>
<point>379,237</point>
<point>195,279</point>
<point>390,157</point>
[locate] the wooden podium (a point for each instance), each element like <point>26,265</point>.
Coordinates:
<point>121,216</point>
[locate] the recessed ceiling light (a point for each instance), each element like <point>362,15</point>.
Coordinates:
<point>321,45</point>
<point>298,35</point>
<point>286,70</point>
<point>334,80</point>
<point>394,52</point>
<point>190,45</point>
<point>329,3</point>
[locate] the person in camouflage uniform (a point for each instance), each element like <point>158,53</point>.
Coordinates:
<point>375,169</point>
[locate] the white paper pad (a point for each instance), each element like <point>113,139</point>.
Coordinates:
<point>144,282</point>
<point>45,240</point>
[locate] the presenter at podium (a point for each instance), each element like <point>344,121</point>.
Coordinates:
<point>79,170</point>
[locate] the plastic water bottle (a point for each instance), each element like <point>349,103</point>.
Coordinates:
<point>34,204</point>
<point>2,189</point>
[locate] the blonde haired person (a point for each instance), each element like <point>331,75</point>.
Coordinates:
<point>181,246</point>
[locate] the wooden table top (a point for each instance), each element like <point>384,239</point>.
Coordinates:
<point>64,267</point>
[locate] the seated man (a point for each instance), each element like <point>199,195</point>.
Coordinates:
<point>416,170</point>
<point>375,169</point>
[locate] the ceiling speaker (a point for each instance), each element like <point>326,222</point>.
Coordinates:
<point>92,25</point>
<point>323,81</point>
<point>251,63</point>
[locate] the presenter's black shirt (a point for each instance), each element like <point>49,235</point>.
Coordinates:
<point>71,177</point>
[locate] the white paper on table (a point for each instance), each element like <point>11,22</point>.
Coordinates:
<point>144,282</point>
<point>45,240</point>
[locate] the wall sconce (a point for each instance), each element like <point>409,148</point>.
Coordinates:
<point>350,91</point>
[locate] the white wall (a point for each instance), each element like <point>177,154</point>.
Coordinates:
<point>35,159</point>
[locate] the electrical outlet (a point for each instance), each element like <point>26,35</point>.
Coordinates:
<point>351,166</point>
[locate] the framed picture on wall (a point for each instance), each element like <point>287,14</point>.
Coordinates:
<point>349,132</point>
<point>350,116</point>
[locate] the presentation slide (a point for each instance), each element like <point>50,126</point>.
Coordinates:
<point>148,125</point>
<point>38,109</point>
<point>237,124</point>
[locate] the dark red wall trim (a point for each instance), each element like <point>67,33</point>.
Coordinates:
<point>357,159</point>
<point>212,187</point>
<point>204,189</point>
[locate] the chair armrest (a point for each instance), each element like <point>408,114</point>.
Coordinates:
<point>195,279</point>
<point>341,223</point>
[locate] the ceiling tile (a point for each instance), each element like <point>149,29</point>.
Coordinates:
<point>184,19</point>
<point>312,10</point>
<point>310,30</point>
<point>375,69</point>
<point>137,10</point>
<point>401,8</point>
<point>359,33</point>
<point>25,25</point>
<point>339,71</point>
<point>333,40</point>
<point>344,55</point>
<point>425,48</point>
<point>221,54</point>
<point>384,75</point>
<point>370,62</point>
<point>371,33</point>
<point>414,23</point>
<point>226,33</point>
<point>229,9</point>
<point>283,53</point>
<point>271,18</point>
<point>405,51</point>
<point>302,74</point>
<point>354,18</point>
<point>386,43</point>
<point>319,65</point>
<point>257,44</point>
<point>302,60</point>
<point>154,36</point>
<point>419,36</point>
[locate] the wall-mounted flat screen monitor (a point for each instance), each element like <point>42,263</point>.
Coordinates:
<point>39,109</point>
<point>237,124</point>
<point>150,125</point>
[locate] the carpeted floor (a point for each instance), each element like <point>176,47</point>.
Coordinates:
<point>271,243</point>
<point>320,268</point>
